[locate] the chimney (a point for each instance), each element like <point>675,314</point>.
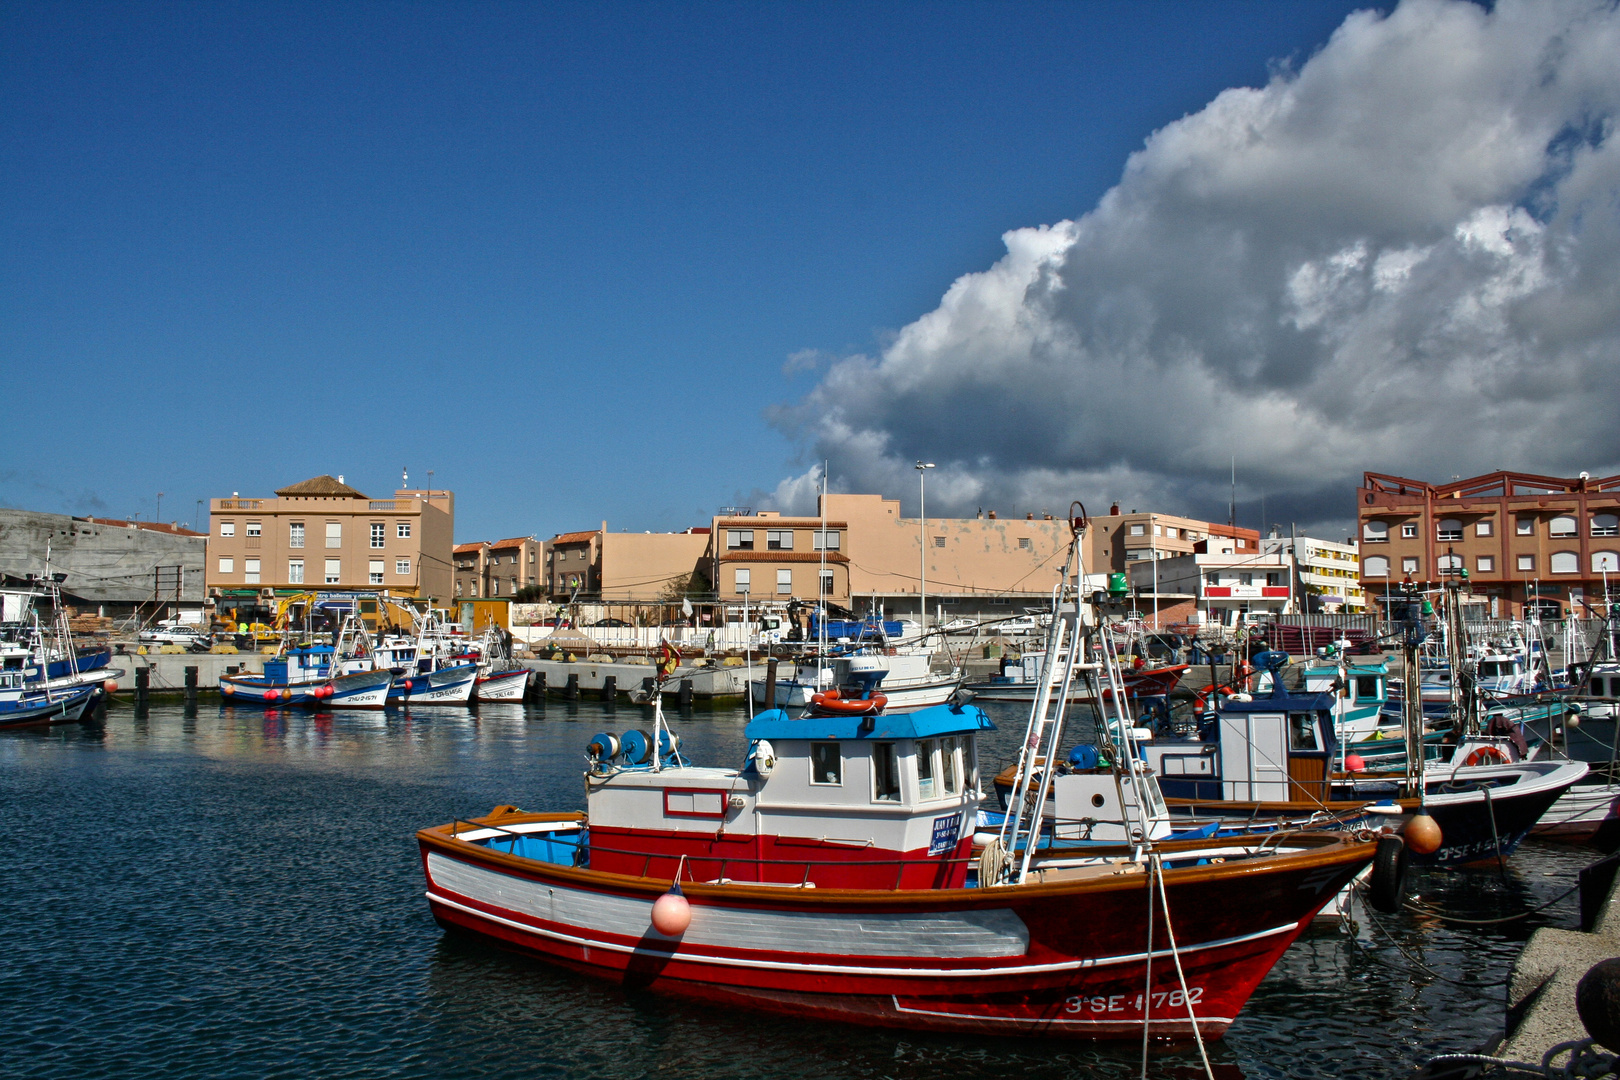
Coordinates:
<point>992,515</point>
<point>340,478</point>
<point>1113,511</point>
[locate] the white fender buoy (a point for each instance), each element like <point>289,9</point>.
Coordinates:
<point>672,912</point>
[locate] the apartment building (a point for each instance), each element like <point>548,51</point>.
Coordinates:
<point>1220,589</point>
<point>765,556</point>
<point>1115,540</point>
<point>1526,541</point>
<point>323,535</point>
<point>497,568</point>
<point>1328,574</point>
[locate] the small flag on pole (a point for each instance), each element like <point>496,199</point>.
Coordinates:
<point>669,660</point>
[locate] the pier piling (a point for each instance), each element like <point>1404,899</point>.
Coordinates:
<point>571,691</point>
<point>143,683</point>
<point>191,685</point>
<point>770,684</point>
<point>610,688</point>
<point>683,697</point>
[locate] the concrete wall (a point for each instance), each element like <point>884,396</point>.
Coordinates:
<point>639,566</point>
<point>105,563</point>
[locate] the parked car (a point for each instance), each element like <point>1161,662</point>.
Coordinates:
<point>960,626</point>
<point>1023,624</point>
<point>610,622</point>
<point>176,634</point>
<point>560,624</point>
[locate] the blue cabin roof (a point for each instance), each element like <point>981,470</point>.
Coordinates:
<point>1280,702</point>
<point>310,650</point>
<point>922,724</point>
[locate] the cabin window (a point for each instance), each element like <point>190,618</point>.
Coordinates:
<point>950,772</point>
<point>925,767</point>
<point>826,763</point>
<point>1366,687</point>
<point>885,773</point>
<point>778,539</point>
<point>1302,731</point>
<point>295,571</point>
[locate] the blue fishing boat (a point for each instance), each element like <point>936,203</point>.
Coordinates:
<point>24,705</point>
<point>310,676</point>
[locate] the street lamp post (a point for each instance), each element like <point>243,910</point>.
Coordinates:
<point>922,530</point>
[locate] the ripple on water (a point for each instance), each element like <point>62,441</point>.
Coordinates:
<point>238,894</point>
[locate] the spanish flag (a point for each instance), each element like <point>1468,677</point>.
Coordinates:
<point>668,661</point>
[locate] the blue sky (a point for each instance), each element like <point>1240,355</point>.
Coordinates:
<point>558,254</point>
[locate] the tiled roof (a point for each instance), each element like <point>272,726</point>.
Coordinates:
<point>320,485</point>
<point>516,541</point>
<point>573,538</point>
<point>782,556</point>
<point>466,549</point>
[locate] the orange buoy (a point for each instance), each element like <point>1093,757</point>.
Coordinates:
<point>672,912</point>
<point>1422,833</point>
<point>1486,755</point>
<point>1354,763</point>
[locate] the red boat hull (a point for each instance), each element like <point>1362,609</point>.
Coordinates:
<point>1066,958</point>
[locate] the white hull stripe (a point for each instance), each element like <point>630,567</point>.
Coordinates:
<point>851,969</point>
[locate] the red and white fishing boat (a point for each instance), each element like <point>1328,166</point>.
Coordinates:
<point>832,877</point>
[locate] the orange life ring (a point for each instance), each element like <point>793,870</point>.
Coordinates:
<point>1486,755</point>
<point>832,702</point>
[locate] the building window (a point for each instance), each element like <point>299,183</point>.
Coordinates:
<point>402,567</point>
<point>1170,531</point>
<point>334,534</point>
<point>1273,578</point>
<point>1409,564</point>
<point>402,530</point>
<point>1561,526</point>
<point>1526,562</point>
<point>825,540</point>
<point>1242,544</point>
<point>1485,564</point>
<point>495,587</point>
<point>250,571</point>
<point>1449,529</point>
<point>1483,527</point>
<point>253,529</point>
<point>778,539</point>
<point>378,535</point>
<point>374,572</point>
<point>1605,525</point>
<point>1605,562</point>
<point>1158,530</point>
<point>740,539</point>
<point>295,534</point>
<point>742,579</point>
<point>334,571</point>
<point>1025,543</point>
<point>295,571</point>
<point>1138,530</point>
<point>1375,566</point>
<point>1135,556</point>
<point>885,773</point>
<point>1408,530</point>
<point>826,763</point>
<point>1451,563</point>
<point>227,528</point>
<point>1525,526</point>
<point>784,583</point>
<point>1565,562</point>
<point>826,583</point>
<point>1375,532</point>
<point>227,565</point>
<point>939,541</point>
<point>1212,579</point>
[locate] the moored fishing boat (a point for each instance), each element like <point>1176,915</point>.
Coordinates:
<point>309,676</point>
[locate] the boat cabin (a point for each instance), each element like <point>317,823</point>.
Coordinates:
<point>1277,748</point>
<point>306,663</point>
<point>870,802</point>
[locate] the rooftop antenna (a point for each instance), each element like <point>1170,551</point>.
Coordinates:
<point>404,477</point>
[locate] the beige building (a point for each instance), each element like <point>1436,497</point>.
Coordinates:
<point>323,535</point>
<point>498,568</point>
<point>1114,540</point>
<point>768,557</point>
<point>1328,574</point>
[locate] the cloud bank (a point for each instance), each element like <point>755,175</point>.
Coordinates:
<point>1404,256</point>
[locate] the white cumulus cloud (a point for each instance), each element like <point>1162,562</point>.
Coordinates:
<point>1404,256</point>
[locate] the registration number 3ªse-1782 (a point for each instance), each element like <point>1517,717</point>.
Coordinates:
<point>1116,1003</point>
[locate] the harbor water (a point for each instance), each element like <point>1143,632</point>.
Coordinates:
<point>227,892</point>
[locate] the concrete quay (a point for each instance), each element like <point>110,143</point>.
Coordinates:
<point>589,678</point>
<point>167,671</point>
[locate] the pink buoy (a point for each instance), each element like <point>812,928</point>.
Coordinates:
<point>271,695</point>
<point>1354,763</point>
<point>672,913</point>
<point>111,686</point>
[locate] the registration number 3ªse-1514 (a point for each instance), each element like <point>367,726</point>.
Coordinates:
<point>1116,1003</point>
